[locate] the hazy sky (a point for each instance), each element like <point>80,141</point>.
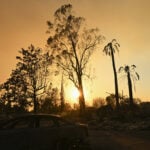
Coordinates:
<point>23,22</point>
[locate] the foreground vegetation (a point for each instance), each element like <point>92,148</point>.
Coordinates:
<point>105,117</point>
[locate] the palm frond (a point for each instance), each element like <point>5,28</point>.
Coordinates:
<point>116,47</point>
<point>118,44</point>
<point>133,79</point>
<point>138,77</point>
<point>133,66</point>
<point>120,69</point>
<point>111,47</point>
<point>106,50</point>
<point>113,41</point>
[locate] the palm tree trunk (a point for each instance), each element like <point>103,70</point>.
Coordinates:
<point>130,89</point>
<point>115,78</point>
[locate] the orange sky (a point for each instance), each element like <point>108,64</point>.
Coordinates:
<point>24,22</point>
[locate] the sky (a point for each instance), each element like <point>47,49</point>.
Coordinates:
<point>23,22</point>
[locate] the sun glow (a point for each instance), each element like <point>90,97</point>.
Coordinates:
<point>75,94</point>
<point>72,94</point>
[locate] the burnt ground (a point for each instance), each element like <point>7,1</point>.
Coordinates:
<point>126,129</point>
<point>119,140</point>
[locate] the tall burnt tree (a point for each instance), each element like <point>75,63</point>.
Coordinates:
<point>110,50</point>
<point>132,75</point>
<point>72,45</point>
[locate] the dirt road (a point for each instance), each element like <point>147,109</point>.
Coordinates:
<point>113,140</point>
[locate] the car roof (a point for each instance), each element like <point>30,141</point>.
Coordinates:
<point>36,115</point>
<point>23,116</point>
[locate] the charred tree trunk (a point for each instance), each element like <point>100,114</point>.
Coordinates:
<point>130,89</point>
<point>34,102</point>
<point>81,96</point>
<point>62,98</point>
<point>34,97</point>
<point>79,76</point>
<point>115,79</point>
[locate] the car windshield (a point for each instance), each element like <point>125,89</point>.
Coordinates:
<point>18,123</point>
<point>35,121</point>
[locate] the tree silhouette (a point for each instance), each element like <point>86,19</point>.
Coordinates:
<point>35,66</point>
<point>51,103</point>
<point>132,75</point>
<point>72,44</point>
<point>110,50</point>
<point>15,92</point>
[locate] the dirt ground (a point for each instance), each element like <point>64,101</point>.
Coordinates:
<point>119,140</point>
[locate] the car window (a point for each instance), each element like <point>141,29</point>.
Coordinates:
<point>45,122</point>
<point>24,123</point>
<point>62,122</point>
<point>7,125</point>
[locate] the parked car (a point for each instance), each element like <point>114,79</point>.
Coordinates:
<point>42,132</point>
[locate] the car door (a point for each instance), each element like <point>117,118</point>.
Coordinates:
<point>15,135</point>
<point>45,134</point>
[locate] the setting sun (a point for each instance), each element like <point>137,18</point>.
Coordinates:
<point>75,93</point>
<point>72,94</point>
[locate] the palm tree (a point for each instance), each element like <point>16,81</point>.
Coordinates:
<point>132,75</point>
<point>110,50</point>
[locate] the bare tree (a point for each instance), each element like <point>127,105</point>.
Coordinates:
<point>72,44</point>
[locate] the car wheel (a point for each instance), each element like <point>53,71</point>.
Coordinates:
<point>65,144</point>
<point>62,144</point>
<point>79,145</point>
<point>74,145</point>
